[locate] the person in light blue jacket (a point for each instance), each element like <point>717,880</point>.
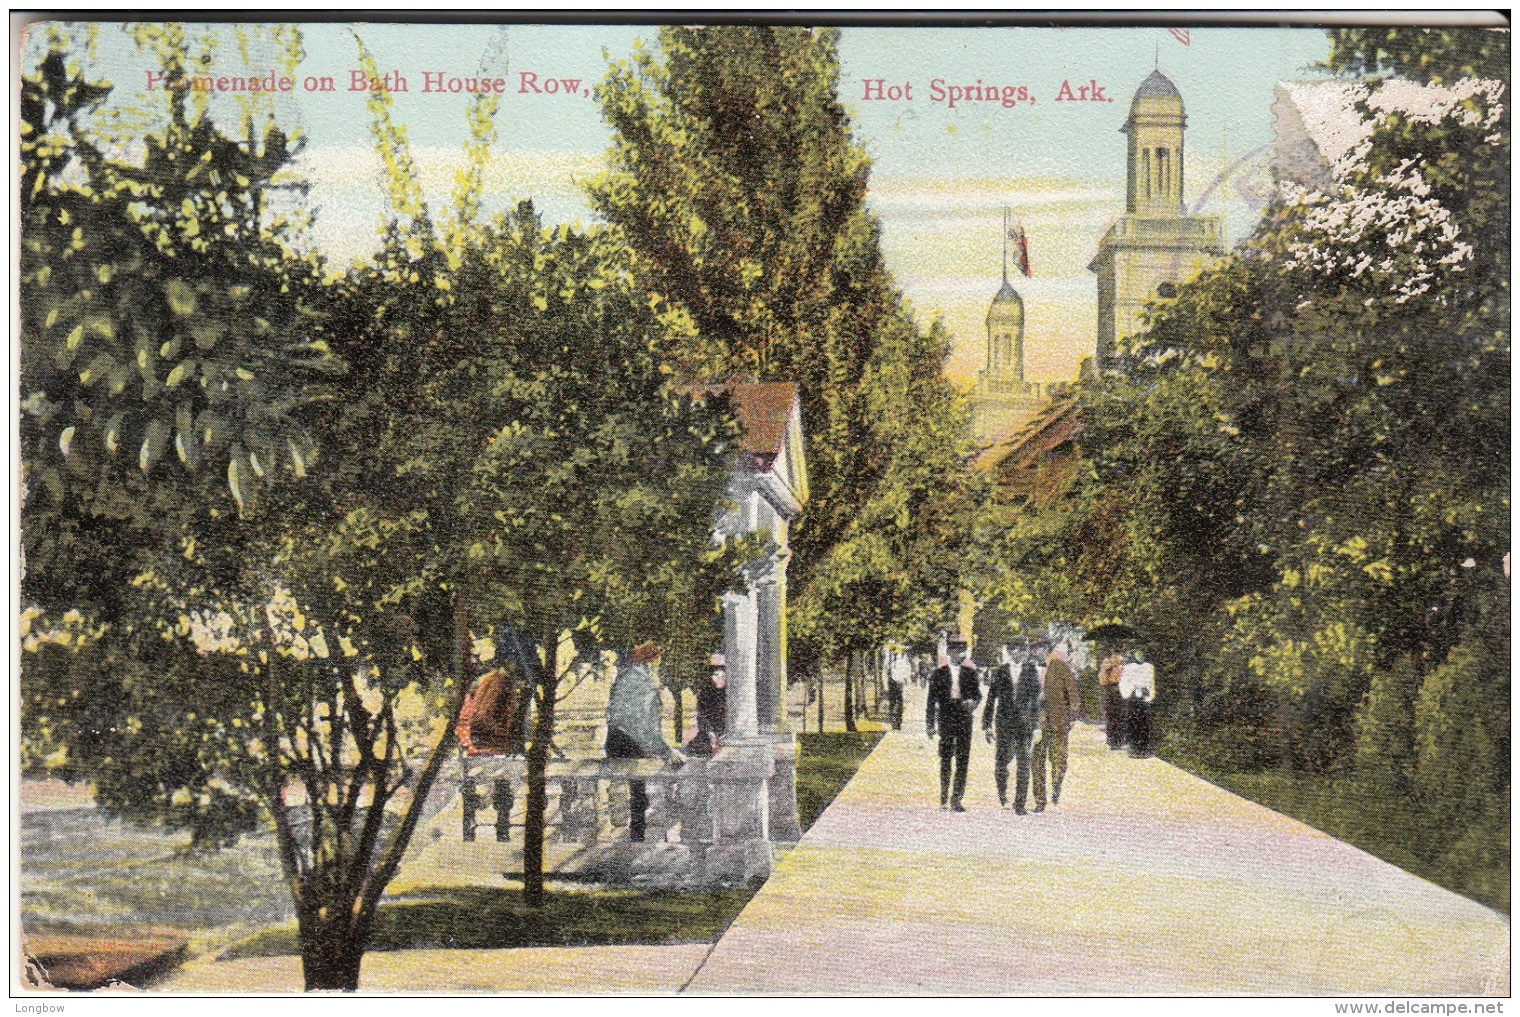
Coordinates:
<point>633,726</point>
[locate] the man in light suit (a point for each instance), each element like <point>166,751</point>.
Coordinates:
<point>1060,712</point>
<point>954,692</point>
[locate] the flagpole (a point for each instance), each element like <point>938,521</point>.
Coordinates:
<point>1005,245</point>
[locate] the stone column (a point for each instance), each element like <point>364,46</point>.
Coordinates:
<point>739,657</point>
<point>740,773</point>
<point>770,662</point>
<point>771,598</point>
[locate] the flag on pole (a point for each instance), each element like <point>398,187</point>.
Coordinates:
<point>1182,35</point>
<point>1020,244</point>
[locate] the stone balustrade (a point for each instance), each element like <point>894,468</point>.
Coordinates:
<point>706,825</point>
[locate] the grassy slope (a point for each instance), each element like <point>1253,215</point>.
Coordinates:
<point>1357,811</point>
<point>825,764</point>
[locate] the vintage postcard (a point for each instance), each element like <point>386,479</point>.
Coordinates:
<point>763,507</point>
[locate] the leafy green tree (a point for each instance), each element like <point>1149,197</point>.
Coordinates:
<point>528,469</point>
<point>599,492</point>
<point>164,306</point>
<point>166,347</point>
<point>1439,55</point>
<point>735,180</point>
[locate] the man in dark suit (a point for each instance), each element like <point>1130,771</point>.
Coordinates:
<point>1013,708</point>
<point>954,691</point>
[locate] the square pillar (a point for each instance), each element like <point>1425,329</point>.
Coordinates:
<point>775,725</point>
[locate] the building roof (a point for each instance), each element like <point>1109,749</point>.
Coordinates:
<point>1157,99</point>
<point>763,409</point>
<point>1319,128</point>
<point>1315,125</point>
<point>1007,294</point>
<point>1057,423</point>
<point>1156,84</point>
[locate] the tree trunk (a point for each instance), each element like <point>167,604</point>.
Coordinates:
<point>537,805</point>
<point>1285,725</point>
<point>849,692</point>
<point>862,672</point>
<point>331,949</point>
<point>820,699</point>
<point>680,714</point>
<point>876,682</point>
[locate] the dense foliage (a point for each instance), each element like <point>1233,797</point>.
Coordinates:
<point>505,456</point>
<point>166,327</point>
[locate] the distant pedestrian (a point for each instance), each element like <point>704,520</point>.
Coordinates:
<point>1137,684</point>
<point>712,710</point>
<point>954,691</point>
<point>633,726</point>
<point>1060,707</point>
<point>1013,713</point>
<point>1113,702</point>
<point>898,677</point>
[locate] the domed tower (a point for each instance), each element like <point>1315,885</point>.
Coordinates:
<point>1155,126</point>
<point>1005,328</point>
<point>1005,333</point>
<point>1155,245</point>
<point>1002,394</point>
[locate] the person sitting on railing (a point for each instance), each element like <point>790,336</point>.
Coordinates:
<point>486,722</point>
<point>633,726</point>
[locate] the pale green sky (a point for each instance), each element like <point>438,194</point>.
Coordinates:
<point>941,174</point>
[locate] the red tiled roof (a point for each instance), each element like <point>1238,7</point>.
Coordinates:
<point>763,409</point>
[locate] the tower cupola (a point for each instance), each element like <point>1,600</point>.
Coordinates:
<point>1005,324</point>
<point>1005,332</point>
<point>1154,126</point>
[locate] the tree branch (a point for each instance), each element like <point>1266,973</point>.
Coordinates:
<point>290,857</point>
<point>381,876</point>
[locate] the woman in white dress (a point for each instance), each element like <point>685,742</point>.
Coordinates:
<point>1137,687</point>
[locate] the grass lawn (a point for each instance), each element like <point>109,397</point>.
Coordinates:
<point>482,918</point>
<point>825,764</point>
<point>1373,818</point>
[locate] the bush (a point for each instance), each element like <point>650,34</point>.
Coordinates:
<point>1461,727</point>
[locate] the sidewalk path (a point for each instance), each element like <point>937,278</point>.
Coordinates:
<point>1144,880</point>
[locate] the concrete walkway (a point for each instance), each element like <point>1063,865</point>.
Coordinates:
<point>1144,880</point>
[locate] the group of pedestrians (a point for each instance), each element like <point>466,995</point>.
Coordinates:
<point>1031,705</point>
<point>1128,684</point>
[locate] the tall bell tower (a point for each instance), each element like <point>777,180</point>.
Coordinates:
<point>1156,244</point>
<point>1155,127</point>
<point>1005,327</point>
